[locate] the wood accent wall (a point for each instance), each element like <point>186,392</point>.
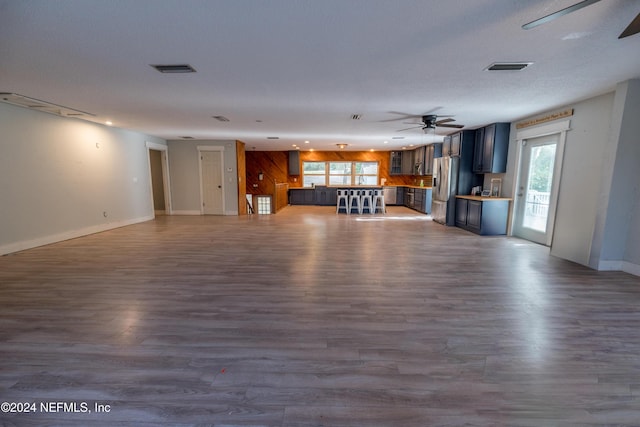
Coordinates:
<point>274,166</point>
<point>241,167</point>
<point>281,196</point>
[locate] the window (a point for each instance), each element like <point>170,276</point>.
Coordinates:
<point>366,173</point>
<point>339,173</point>
<point>314,173</point>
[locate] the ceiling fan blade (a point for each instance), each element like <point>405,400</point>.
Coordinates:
<point>403,116</point>
<point>633,28</point>
<point>413,127</point>
<point>450,126</point>
<point>439,122</point>
<point>558,14</point>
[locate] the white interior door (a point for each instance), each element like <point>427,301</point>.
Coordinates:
<point>211,182</point>
<point>537,189</point>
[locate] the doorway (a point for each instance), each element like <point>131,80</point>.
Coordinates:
<point>537,188</point>
<point>159,178</point>
<point>211,182</point>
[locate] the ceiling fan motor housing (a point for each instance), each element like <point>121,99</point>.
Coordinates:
<point>429,121</point>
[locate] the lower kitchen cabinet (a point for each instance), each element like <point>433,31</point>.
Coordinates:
<point>418,199</point>
<point>482,215</point>
<point>326,196</point>
<point>302,196</point>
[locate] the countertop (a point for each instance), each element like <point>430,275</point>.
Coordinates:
<point>358,186</point>
<point>482,199</point>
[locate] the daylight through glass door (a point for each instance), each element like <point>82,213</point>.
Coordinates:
<point>538,189</point>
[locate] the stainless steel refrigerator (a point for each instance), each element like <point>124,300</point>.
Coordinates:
<point>445,184</point>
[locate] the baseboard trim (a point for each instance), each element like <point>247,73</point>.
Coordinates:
<point>67,235</point>
<point>631,268</point>
<point>627,267</point>
<point>610,265</point>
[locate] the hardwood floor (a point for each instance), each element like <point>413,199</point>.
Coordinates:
<point>308,318</point>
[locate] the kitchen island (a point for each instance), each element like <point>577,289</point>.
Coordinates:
<point>411,196</point>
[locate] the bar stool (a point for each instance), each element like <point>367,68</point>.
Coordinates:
<point>366,201</point>
<point>343,196</point>
<point>354,198</point>
<point>378,201</point>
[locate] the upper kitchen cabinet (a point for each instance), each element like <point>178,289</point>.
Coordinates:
<point>408,163</point>
<point>402,163</point>
<point>418,160</point>
<point>432,151</point>
<point>446,146</point>
<point>491,147</point>
<point>395,162</point>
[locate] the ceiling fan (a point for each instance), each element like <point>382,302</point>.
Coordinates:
<point>632,28</point>
<point>430,121</point>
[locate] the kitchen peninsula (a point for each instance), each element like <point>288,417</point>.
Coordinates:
<point>411,196</point>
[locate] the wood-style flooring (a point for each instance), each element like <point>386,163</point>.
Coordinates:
<point>308,318</point>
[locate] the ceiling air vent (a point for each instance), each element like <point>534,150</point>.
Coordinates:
<point>175,68</point>
<point>273,137</point>
<point>508,66</point>
<point>44,106</point>
<point>186,137</point>
<point>221,118</point>
<point>356,116</point>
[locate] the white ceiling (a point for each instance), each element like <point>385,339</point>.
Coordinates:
<point>299,70</point>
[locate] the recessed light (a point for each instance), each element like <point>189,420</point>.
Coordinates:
<point>342,146</point>
<point>108,123</point>
<point>386,142</point>
<point>306,142</point>
<point>372,149</point>
<point>293,145</point>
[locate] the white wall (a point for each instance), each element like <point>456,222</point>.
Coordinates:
<point>582,173</point>
<point>58,178</point>
<point>617,235</point>
<point>185,175</point>
<point>597,221</point>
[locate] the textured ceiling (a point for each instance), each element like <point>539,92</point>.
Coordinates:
<point>299,70</point>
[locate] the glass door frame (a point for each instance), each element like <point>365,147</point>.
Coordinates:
<point>561,128</point>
